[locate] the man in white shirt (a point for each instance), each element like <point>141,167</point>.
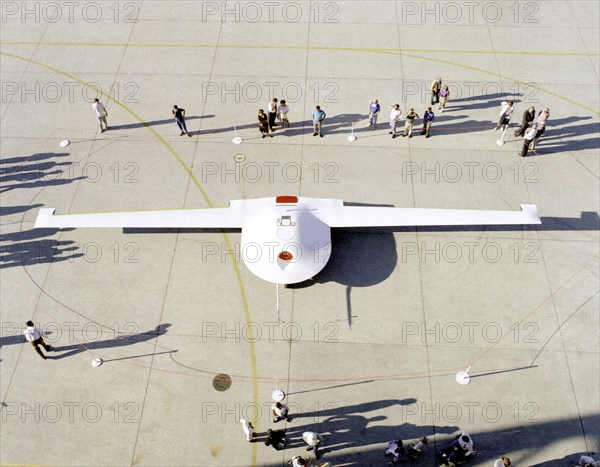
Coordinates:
<point>314,440</point>
<point>35,335</point>
<point>298,461</point>
<point>395,116</point>
<point>506,112</point>
<point>280,411</point>
<point>248,429</point>
<point>101,113</point>
<point>283,114</point>
<point>587,461</point>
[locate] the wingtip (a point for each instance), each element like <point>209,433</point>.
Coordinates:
<point>532,212</point>
<point>44,218</point>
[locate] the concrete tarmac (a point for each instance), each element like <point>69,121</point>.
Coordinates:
<point>368,351</point>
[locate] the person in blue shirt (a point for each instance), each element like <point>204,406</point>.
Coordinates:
<point>428,118</point>
<point>374,109</point>
<point>318,117</point>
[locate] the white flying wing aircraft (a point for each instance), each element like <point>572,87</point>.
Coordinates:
<point>287,239</point>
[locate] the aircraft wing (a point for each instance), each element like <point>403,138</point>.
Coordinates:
<point>359,216</point>
<point>230,217</point>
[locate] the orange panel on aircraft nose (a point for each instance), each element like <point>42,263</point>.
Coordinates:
<point>286,199</point>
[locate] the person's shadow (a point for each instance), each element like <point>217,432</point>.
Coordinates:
<point>571,459</point>
<point>109,343</point>
<point>353,431</point>
<point>166,121</point>
<point>29,247</point>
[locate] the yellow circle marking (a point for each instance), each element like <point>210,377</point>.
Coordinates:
<point>406,53</point>
<point>208,202</point>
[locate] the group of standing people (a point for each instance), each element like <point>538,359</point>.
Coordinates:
<point>439,94</point>
<point>276,110</point>
<point>267,122</point>
<point>459,450</point>
<point>277,438</point>
<point>396,116</point>
<point>399,452</point>
<point>531,129</point>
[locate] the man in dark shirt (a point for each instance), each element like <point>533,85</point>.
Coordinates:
<point>179,115</point>
<point>263,123</point>
<point>275,438</point>
<point>272,109</point>
<point>528,117</point>
<point>428,118</point>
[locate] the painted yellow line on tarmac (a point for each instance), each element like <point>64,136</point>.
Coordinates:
<point>508,78</point>
<point>304,48</point>
<point>127,109</point>
<point>236,268</point>
<point>405,53</point>
<point>24,465</point>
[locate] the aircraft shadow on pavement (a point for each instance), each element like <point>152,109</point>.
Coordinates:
<point>358,259</point>
<point>362,257</point>
<point>109,343</point>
